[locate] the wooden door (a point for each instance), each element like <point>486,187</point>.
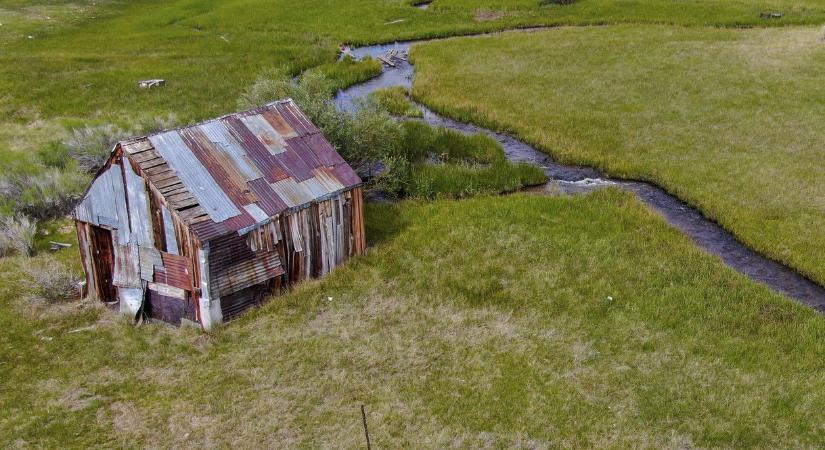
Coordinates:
<point>103,258</point>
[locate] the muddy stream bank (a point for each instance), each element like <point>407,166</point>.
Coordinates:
<point>576,179</point>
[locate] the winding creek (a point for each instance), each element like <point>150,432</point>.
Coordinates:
<point>575,179</point>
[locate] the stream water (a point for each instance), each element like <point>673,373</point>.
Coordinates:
<point>577,179</point>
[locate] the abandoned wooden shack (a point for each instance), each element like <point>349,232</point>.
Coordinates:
<point>200,223</point>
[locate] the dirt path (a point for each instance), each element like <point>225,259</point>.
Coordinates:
<point>576,179</point>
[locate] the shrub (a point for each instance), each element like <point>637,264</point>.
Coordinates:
<point>90,146</point>
<point>153,124</point>
<point>50,193</point>
<point>17,234</point>
<point>51,280</point>
<point>394,177</point>
<point>374,137</point>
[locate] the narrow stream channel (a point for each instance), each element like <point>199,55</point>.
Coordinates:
<point>575,179</point>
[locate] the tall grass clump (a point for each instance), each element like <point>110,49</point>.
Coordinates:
<point>17,235</point>
<point>397,102</point>
<point>348,71</point>
<point>51,280</point>
<point>432,181</point>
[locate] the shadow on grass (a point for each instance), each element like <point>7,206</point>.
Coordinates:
<point>384,221</point>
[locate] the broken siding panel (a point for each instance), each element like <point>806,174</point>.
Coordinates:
<point>126,267</point>
<point>140,219</point>
<point>175,271</point>
<point>163,303</point>
<point>149,258</point>
<point>86,255</point>
<point>234,266</point>
<point>119,198</point>
<point>169,230</point>
<point>323,150</point>
<point>194,176</point>
<point>247,273</point>
<point>265,133</point>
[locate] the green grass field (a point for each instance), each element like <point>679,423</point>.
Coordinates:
<point>85,67</point>
<point>490,322</point>
<point>519,321</point>
<point>729,120</point>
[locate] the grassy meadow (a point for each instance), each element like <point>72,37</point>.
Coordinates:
<point>83,62</point>
<point>491,322</point>
<point>729,120</point>
<point>519,321</point>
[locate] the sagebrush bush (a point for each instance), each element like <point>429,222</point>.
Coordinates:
<point>90,146</point>
<point>51,193</point>
<point>51,280</point>
<point>17,235</point>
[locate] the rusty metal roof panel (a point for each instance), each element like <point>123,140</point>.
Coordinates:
<point>326,177</point>
<point>228,174</point>
<point>194,176</point>
<point>265,133</point>
<point>292,193</point>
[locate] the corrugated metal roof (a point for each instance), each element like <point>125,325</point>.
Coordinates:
<point>236,171</point>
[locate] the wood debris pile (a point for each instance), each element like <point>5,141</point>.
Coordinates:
<point>393,57</point>
<point>148,84</point>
